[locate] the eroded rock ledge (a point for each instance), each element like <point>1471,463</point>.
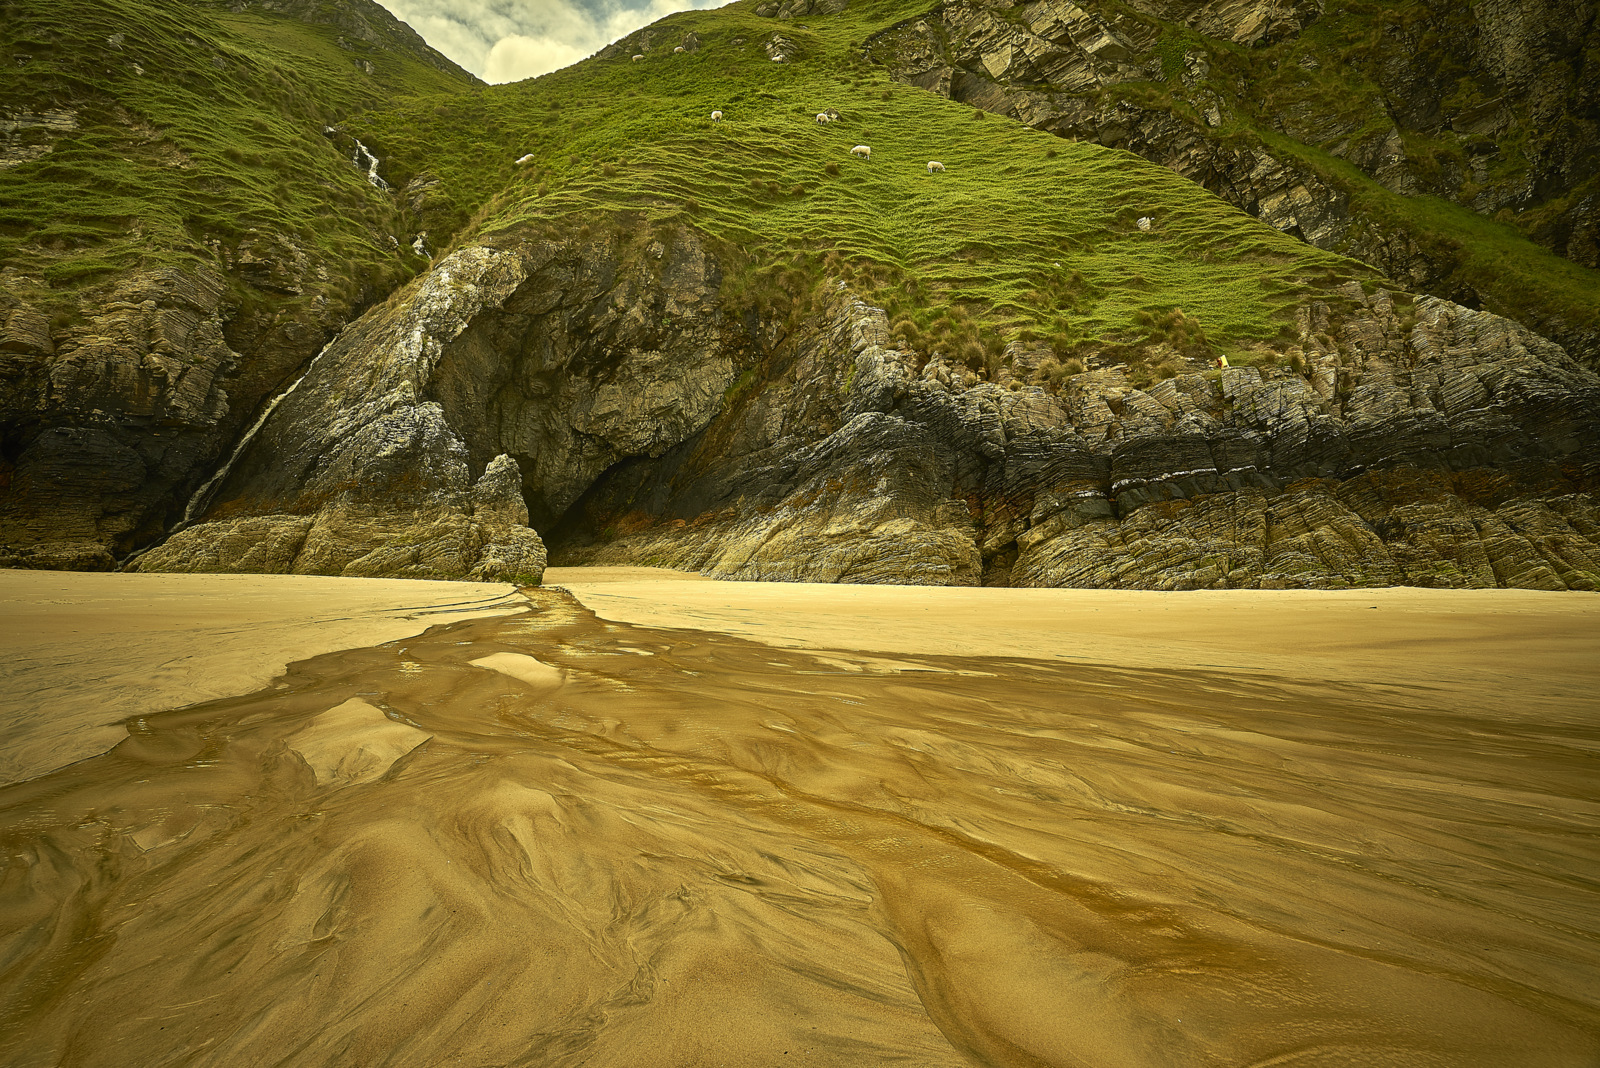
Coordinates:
<point>502,382</point>
<point>1448,452</point>
<point>605,383</point>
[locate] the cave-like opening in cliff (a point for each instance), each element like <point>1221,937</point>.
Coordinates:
<point>632,494</point>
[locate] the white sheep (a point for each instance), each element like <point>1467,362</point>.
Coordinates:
<point>777,59</point>
<point>678,51</point>
<point>822,118</point>
<point>1144,222</point>
<point>716,116</point>
<point>638,59</point>
<point>935,167</point>
<point>861,150</point>
<point>526,159</point>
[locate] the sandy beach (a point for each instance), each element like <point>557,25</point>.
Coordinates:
<point>648,818</point>
<point>1508,647</point>
<point>84,652</point>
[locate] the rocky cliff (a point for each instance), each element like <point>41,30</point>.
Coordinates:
<point>1391,442</point>
<point>1324,119</point>
<point>181,230</point>
<point>1432,446</point>
<point>535,363</point>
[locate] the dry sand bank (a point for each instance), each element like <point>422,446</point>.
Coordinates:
<point>551,840</point>
<point>1506,647</point>
<point>83,652</point>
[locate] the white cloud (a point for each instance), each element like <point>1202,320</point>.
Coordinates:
<point>516,57</point>
<point>506,40</point>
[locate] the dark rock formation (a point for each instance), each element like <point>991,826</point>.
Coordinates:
<point>1448,451</point>
<point>539,363</point>
<point>110,423</point>
<point>643,420</point>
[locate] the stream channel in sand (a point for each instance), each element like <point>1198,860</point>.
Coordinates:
<point>550,839</point>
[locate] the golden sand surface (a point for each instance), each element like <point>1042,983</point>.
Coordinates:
<point>84,652</point>
<point>1467,645</point>
<point>559,839</point>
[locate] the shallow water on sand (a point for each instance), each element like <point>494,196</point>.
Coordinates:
<point>551,840</point>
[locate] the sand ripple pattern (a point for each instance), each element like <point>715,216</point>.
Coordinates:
<point>656,847</point>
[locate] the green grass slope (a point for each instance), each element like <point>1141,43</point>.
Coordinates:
<point>1024,236</point>
<point>194,125</point>
<point>1499,159</point>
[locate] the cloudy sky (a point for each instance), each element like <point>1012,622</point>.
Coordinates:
<point>505,40</point>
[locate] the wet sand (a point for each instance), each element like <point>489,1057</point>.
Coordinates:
<point>84,652</point>
<point>554,839</point>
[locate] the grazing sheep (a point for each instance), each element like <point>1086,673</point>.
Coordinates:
<point>678,51</point>
<point>526,159</point>
<point>1144,222</point>
<point>716,116</point>
<point>861,150</point>
<point>935,167</point>
<point>636,59</point>
<point>777,59</point>
<point>822,118</point>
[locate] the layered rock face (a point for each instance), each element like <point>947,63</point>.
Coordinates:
<point>1435,447</point>
<point>142,329</point>
<point>108,422</point>
<point>504,381</point>
<point>1494,106</point>
<point>607,383</point>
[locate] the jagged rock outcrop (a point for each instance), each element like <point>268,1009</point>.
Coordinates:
<point>480,532</point>
<point>605,381</point>
<point>109,423</point>
<point>538,362</point>
<point>1524,142</point>
<point>1437,446</point>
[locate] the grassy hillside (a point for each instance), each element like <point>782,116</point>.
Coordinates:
<point>1023,236</point>
<point>1462,141</point>
<point>1483,194</point>
<point>191,125</point>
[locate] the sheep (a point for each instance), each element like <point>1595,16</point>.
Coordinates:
<point>1144,222</point>
<point>678,51</point>
<point>861,150</point>
<point>822,118</point>
<point>777,59</point>
<point>716,116</point>
<point>638,59</point>
<point>526,159</point>
<point>935,167</point>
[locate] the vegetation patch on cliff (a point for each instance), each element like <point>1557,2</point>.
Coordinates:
<point>1021,234</point>
<point>155,134</point>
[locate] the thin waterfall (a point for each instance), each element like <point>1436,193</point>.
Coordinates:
<point>202,496</point>
<point>372,167</point>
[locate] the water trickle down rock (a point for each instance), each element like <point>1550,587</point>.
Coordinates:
<point>363,153</point>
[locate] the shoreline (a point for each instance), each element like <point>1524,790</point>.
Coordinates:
<point>88,650</point>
